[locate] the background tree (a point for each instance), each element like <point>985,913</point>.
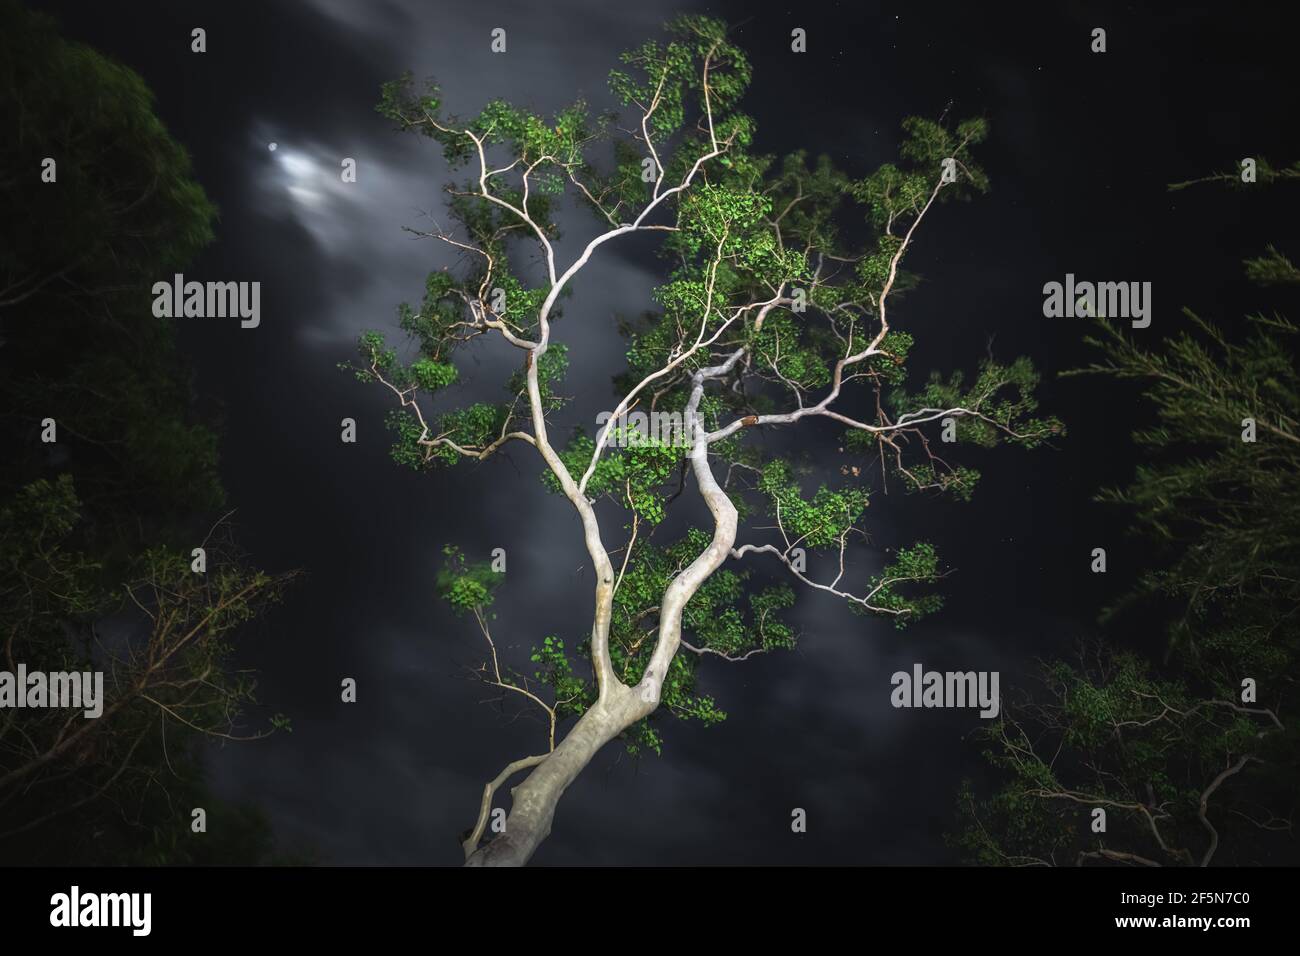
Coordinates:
<point>96,528</point>
<point>1189,768</point>
<point>769,317</point>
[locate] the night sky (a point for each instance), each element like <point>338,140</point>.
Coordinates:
<point>1080,150</point>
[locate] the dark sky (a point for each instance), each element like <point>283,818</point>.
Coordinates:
<point>1082,146</point>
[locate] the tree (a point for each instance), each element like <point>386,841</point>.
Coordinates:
<point>97,526</point>
<point>1188,756</point>
<point>75,254</point>
<point>162,639</point>
<point>768,317</point>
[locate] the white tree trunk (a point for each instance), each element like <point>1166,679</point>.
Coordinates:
<point>534,801</point>
<point>618,707</point>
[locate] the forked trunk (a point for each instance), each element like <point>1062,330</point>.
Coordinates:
<point>534,801</point>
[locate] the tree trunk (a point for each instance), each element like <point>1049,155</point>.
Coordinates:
<point>618,706</point>
<point>534,801</point>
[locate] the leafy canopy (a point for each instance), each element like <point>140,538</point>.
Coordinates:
<point>764,267</point>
